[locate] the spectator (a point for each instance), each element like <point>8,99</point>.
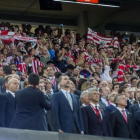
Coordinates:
<point>121,120</point>
<point>93,116</point>
<point>84,98</point>
<point>37,101</point>
<point>112,105</point>
<point>7,103</point>
<point>63,102</point>
<point>104,92</point>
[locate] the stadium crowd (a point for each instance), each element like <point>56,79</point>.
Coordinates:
<point>64,82</point>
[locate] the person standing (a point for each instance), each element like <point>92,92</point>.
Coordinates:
<point>51,76</point>
<point>7,103</point>
<point>96,119</point>
<point>121,120</point>
<point>136,107</point>
<point>137,123</point>
<point>31,105</point>
<point>66,107</point>
<point>112,105</point>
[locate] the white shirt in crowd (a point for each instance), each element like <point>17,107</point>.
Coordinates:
<point>105,76</point>
<point>104,101</point>
<point>113,104</point>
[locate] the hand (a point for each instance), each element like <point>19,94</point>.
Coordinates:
<point>103,54</point>
<point>82,133</point>
<point>60,131</point>
<point>72,35</point>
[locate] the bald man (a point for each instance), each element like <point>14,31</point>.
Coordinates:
<point>7,103</point>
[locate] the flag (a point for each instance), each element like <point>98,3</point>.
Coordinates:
<point>120,73</point>
<point>11,36</point>
<point>101,39</point>
<point>36,64</point>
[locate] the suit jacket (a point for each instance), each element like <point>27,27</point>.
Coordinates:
<point>120,127</point>
<point>110,108</point>
<point>77,92</point>
<point>134,108</point>
<point>51,117</point>
<point>92,124</point>
<point>7,109</point>
<point>66,118</point>
<point>137,123</point>
<point>30,113</point>
<point>1,81</point>
<point>55,88</point>
<point>128,105</point>
<point>102,105</point>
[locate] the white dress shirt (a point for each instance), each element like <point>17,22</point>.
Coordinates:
<point>7,91</point>
<point>65,92</point>
<point>51,91</point>
<point>13,94</point>
<point>120,109</point>
<point>113,104</point>
<point>104,101</point>
<point>68,97</point>
<point>105,76</point>
<point>98,106</point>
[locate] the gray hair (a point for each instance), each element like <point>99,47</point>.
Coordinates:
<point>117,98</point>
<point>91,91</point>
<point>11,80</point>
<point>111,94</point>
<point>83,93</point>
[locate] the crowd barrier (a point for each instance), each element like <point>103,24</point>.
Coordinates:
<point>17,134</point>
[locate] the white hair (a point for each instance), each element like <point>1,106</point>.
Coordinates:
<point>11,80</point>
<point>91,91</point>
<point>83,93</point>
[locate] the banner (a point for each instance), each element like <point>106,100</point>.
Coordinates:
<point>101,39</point>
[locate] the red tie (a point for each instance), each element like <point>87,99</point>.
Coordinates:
<point>124,115</point>
<point>108,102</point>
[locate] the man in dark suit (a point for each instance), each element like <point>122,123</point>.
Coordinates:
<point>112,105</point>
<point>135,107</point>
<point>96,119</point>
<point>137,123</point>
<point>126,91</point>
<point>121,120</point>
<point>104,92</point>
<point>7,103</point>
<point>30,105</point>
<point>66,107</point>
<point>7,70</point>
<point>50,114</point>
<point>5,87</point>
<point>51,76</point>
<point>84,98</point>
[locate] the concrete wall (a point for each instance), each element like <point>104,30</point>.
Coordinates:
<point>17,134</point>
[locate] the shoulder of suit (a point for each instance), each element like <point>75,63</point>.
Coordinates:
<point>57,93</point>
<point>134,105</point>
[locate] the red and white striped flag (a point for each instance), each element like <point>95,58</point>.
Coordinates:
<point>120,73</point>
<point>11,36</point>
<point>36,64</point>
<point>99,38</point>
<point>22,67</point>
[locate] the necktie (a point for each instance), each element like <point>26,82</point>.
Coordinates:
<point>124,115</point>
<point>98,113</point>
<point>69,100</point>
<point>108,102</point>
